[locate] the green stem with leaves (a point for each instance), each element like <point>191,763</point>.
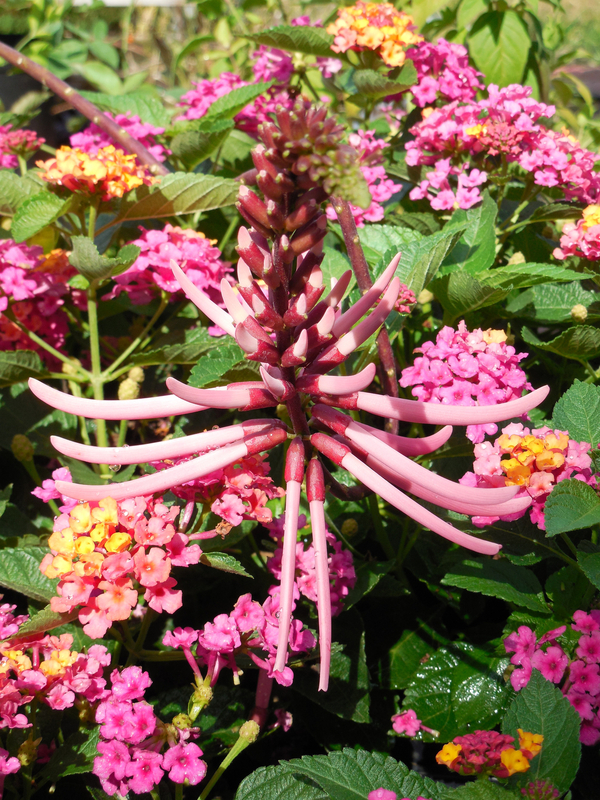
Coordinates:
<point>96,378</point>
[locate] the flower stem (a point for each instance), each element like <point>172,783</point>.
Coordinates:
<point>242,743</point>
<point>83,374</point>
<point>108,373</point>
<point>97,379</point>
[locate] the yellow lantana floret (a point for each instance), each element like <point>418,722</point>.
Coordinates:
<point>448,753</point>
<point>532,742</point>
<point>514,761</point>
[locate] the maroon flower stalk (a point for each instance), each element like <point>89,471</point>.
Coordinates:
<point>299,336</point>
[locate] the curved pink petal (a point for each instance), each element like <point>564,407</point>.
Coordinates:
<point>215,398</point>
<point>359,309</point>
<point>317,520</point>
<point>337,384</point>
<point>232,302</point>
<point>204,303</point>
<point>335,296</point>
<point>419,446</point>
<point>142,408</point>
<point>354,338</point>
<point>288,570</point>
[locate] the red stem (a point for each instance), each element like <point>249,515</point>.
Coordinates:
<point>89,110</point>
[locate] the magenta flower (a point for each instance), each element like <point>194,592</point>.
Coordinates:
<point>183,764</point>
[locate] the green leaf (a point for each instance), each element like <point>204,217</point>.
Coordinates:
<point>551,211</point>
<point>578,413</point>
<point>142,104</point>
<point>498,578</point>
<point>75,756</point>
<point>227,106</point>
<point>476,249</point>
<point>542,708</point>
<point>88,262</point>
<point>368,576</point>
<point>460,688</point>
<point>224,562</point>
<point>461,294</point>
<point>101,76</point>
<point>376,84</point>
<point>5,497</point>
<point>190,47</point>
<point>192,147</point>
<point>348,693</point>
<point>590,564</point>
<point>412,649</point>
<point>35,212</point>
<point>215,364</point>
<point>352,774</point>
<point>479,790</point>
<point>312,41</point>
<point>178,193</point>
<point>552,302</point>
<point>46,620</point>
<point>499,45</point>
<point>14,190</point>
<point>377,240</point>
<point>579,343</point>
<point>571,505</point>
<point>276,783</point>
<point>20,570</point>
<point>518,276</point>
<point>19,365</point>
<point>568,591</point>
<point>423,257</point>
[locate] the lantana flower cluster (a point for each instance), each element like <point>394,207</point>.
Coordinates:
<point>374,26</point>
<point>444,73</point>
<point>537,460</point>
<point>578,675</point>
<point>581,238</point>
<point>44,668</point>
<point>136,748</point>
<point>93,138</point>
<point>406,723</point>
<point>14,143</point>
<point>467,368</point>
<point>490,753</point>
<point>99,549</point>
<point>369,148</point>
<point>388,794</point>
<point>109,172</point>
<point>200,259</point>
<point>469,143</point>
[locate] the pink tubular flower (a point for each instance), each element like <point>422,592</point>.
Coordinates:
<point>94,138</point>
<point>468,368</point>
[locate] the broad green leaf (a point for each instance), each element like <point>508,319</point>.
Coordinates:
<point>578,413</point>
<point>551,211</point>
<point>34,213</point>
<point>352,774</point>
<point>14,190</point>
<point>377,240</point>
<point>101,76</point>
<point>568,590</point>
<point>105,52</point>
<point>334,264</point>
<point>499,45</point>
<point>20,571</point>
<point>236,147</point>
<point>190,47</point>
<point>368,576</point>
<point>233,102</point>
<point>80,472</point>
<point>412,649</point>
<point>75,756</point>
<point>88,262</point>
<point>224,562</point>
<point>479,790</point>
<point>475,251</point>
<point>578,343</point>
<point>277,783</point>
<point>5,498</point>
<point>461,294</point>
<point>571,505</point>
<point>348,693</point>
<point>497,578</point>
<point>195,146</point>
<point>178,193</point>
<point>550,302</point>
<point>300,39</point>
<point>375,84</point>
<point>519,276</point>
<point>19,365</point>
<point>542,708</point>
<point>590,564</point>
<point>460,688</point>
<point>142,104</point>
<point>46,620</point>
<point>215,364</point>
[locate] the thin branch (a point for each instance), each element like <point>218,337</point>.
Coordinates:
<point>89,110</point>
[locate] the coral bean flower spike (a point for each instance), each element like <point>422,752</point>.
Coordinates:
<point>299,335</point>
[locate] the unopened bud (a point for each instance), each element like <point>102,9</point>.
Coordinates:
<point>22,448</point>
<point>129,389</point>
<point>136,374</point>
<point>349,527</point>
<point>249,731</point>
<point>517,258</point>
<point>182,721</point>
<point>69,368</point>
<point>579,313</point>
<point>199,700</point>
<point>27,753</point>
<point>425,296</point>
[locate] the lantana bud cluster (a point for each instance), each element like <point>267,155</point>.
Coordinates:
<point>98,550</point>
<point>490,753</point>
<point>537,460</point>
<point>15,143</point>
<point>581,238</point>
<point>578,674</point>
<point>136,748</point>
<point>467,368</point>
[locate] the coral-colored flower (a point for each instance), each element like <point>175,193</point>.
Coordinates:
<point>485,752</point>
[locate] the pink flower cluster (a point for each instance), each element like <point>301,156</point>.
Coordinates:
<point>44,668</point>
<point>539,459</point>
<point>369,148</point>
<point>388,794</point>
<point>342,575</point>
<point>249,629</point>
<point>17,143</point>
<point>581,238</point>
<point>237,492</point>
<point>199,258</point>
<point>93,138</point>
<point>469,142</point>
<point>99,549</point>
<point>467,368</point>
<point>444,73</point>
<point>132,741</point>
<point>35,287</point>
<point>48,491</point>
<point>579,675</point>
